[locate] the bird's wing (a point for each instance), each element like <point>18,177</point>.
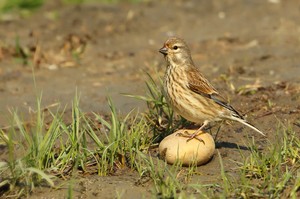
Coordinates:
<point>200,85</point>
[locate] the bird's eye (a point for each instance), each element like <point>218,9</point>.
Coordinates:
<point>175,47</point>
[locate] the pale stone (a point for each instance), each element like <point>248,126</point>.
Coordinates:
<point>175,148</point>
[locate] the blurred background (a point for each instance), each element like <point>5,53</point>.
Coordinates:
<point>105,48</point>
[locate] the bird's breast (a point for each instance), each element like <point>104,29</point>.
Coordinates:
<point>184,101</point>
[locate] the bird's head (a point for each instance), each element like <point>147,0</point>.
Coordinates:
<point>176,51</point>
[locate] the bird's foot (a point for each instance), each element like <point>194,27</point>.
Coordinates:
<point>186,134</point>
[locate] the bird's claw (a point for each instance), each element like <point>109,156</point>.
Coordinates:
<point>189,136</point>
<point>184,133</point>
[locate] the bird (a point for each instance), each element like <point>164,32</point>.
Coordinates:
<point>190,94</point>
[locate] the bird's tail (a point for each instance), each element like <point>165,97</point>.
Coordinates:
<point>243,121</point>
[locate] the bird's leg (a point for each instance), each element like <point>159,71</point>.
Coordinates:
<point>195,134</point>
<point>218,130</point>
<point>198,132</point>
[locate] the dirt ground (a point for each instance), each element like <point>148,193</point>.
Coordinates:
<point>105,49</point>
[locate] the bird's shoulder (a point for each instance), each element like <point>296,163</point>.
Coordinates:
<point>198,83</point>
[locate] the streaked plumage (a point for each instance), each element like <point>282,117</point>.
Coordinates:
<point>190,93</point>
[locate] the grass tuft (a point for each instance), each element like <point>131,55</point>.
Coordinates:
<point>21,4</point>
<point>160,115</point>
<point>39,151</point>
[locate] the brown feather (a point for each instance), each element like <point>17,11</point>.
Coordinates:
<point>181,74</point>
<point>200,85</point>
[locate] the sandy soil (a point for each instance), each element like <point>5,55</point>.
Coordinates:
<point>105,49</point>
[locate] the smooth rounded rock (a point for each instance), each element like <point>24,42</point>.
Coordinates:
<point>176,147</point>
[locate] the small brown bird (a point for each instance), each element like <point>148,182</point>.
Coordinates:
<point>189,92</point>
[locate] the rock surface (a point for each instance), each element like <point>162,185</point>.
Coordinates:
<point>175,148</point>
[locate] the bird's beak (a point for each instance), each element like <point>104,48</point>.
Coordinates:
<point>163,50</point>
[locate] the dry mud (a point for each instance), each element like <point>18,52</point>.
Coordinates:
<point>104,50</point>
